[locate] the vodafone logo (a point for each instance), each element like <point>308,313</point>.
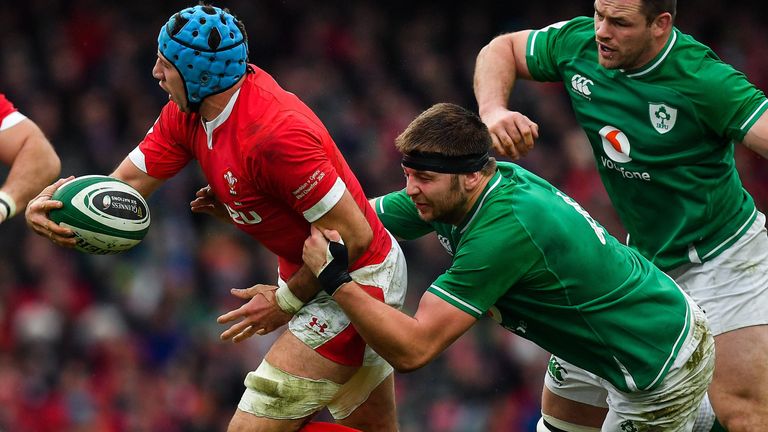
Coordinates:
<point>615,144</point>
<point>616,147</point>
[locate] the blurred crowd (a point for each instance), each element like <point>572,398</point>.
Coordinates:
<point>130,342</point>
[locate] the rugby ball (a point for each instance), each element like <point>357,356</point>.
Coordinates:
<point>107,215</point>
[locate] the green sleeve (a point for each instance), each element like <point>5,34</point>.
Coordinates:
<point>400,217</point>
<point>548,47</point>
<point>726,101</point>
<point>493,257</point>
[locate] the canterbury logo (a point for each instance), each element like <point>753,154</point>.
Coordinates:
<point>581,85</point>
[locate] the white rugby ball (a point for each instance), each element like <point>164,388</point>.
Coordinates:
<point>107,215</point>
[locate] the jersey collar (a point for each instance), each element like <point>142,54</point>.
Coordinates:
<point>492,184</point>
<point>210,126</point>
<point>658,60</point>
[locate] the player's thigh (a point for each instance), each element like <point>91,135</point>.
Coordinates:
<point>293,356</point>
<point>571,411</point>
<point>290,386</point>
<point>741,369</point>
<point>247,422</point>
<point>378,412</point>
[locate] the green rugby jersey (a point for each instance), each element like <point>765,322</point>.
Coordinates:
<point>663,137</point>
<point>531,258</point>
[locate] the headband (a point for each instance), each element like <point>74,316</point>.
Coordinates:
<point>436,162</point>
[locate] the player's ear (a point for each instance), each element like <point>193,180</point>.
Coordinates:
<point>471,180</point>
<point>662,24</point>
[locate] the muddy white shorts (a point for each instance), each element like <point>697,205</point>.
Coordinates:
<point>732,288</point>
<point>672,406</point>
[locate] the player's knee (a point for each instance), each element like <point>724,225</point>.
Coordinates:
<point>276,394</point>
<point>550,424</point>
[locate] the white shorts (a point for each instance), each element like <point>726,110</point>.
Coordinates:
<point>322,325</point>
<point>671,406</point>
<point>732,288</point>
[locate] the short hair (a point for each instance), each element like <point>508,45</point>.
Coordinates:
<point>449,130</point>
<point>654,8</point>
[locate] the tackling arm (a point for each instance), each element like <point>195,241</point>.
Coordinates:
<point>407,343</point>
<point>347,218</point>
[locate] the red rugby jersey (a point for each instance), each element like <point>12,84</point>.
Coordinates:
<point>269,159</point>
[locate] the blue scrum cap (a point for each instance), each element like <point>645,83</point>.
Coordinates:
<point>208,49</point>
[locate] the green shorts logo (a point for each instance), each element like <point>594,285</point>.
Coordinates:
<point>556,371</point>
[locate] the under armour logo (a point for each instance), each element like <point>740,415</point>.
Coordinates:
<point>320,327</point>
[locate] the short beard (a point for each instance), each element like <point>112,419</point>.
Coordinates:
<point>455,214</point>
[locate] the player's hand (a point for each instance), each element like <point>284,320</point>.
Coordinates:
<point>513,134</point>
<point>37,218</point>
<point>315,249</point>
<point>205,202</point>
<point>261,315</point>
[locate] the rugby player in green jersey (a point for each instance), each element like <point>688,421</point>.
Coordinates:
<point>662,113</point>
<point>533,260</point>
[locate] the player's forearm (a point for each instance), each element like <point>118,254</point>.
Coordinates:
<point>128,172</point>
<point>35,166</point>
<point>397,337</point>
<point>495,74</point>
<point>304,284</point>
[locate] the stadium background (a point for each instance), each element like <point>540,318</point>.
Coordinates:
<point>130,342</point>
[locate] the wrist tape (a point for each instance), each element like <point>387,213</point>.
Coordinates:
<point>286,300</point>
<point>7,206</point>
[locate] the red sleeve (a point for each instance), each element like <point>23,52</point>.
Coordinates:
<point>6,107</point>
<point>165,150</point>
<point>300,172</point>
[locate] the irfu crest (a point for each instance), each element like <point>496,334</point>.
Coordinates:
<point>663,117</point>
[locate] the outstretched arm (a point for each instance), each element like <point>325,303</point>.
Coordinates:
<point>499,64</point>
<point>38,209</point>
<point>406,342</point>
<point>33,165</point>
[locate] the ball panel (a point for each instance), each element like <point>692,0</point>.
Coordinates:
<point>99,244</point>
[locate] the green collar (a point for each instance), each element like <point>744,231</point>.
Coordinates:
<point>656,61</point>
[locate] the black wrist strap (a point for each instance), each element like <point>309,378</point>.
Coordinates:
<point>335,274</point>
